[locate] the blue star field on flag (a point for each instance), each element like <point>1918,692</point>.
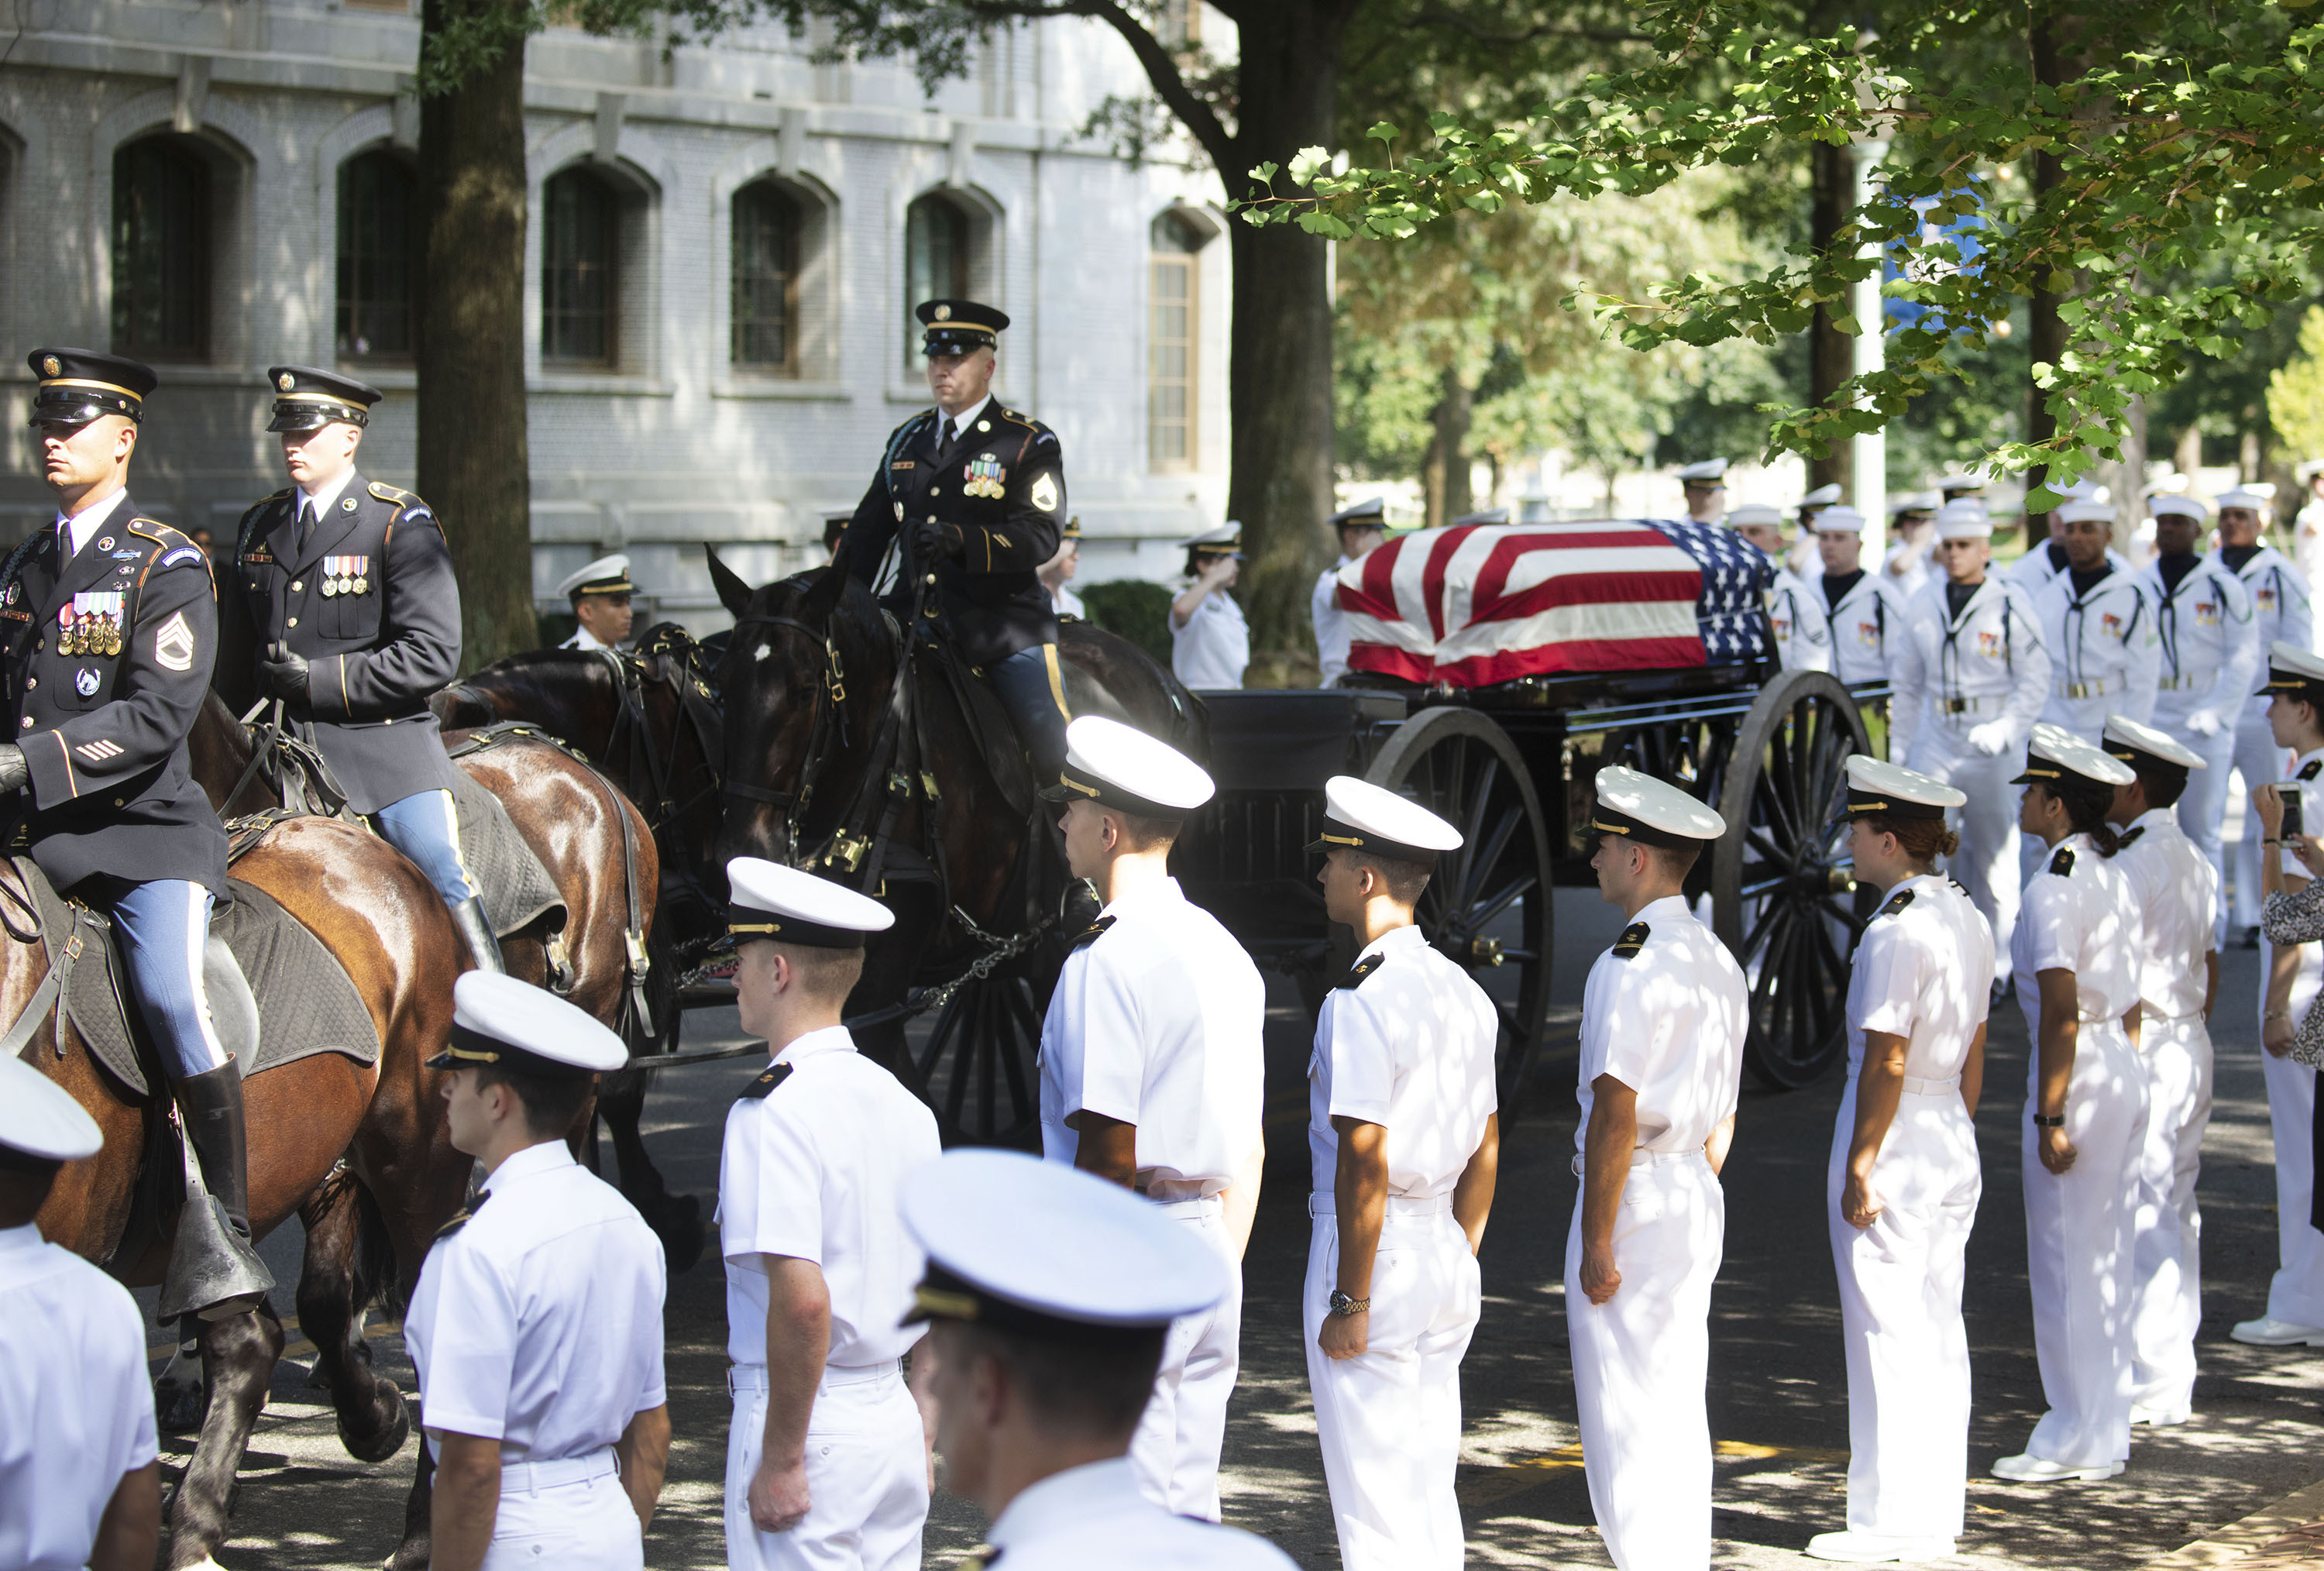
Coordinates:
<point>1731,609</point>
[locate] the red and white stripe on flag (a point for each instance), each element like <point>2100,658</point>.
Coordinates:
<point>1489,603</point>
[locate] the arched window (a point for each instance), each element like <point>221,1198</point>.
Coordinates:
<point>766,278</point>
<point>161,250</point>
<point>1170,392</point>
<point>580,296</point>
<point>935,260</point>
<point>379,255</point>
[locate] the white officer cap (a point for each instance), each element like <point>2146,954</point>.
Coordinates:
<point>1227,537</point>
<point>770,901</point>
<point>2294,671</point>
<point>1021,1244</point>
<point>40,1118</point>
<point>606,575</point>
<point>1710,472</point>
<point>1489,515</point>
<point>1371,512</point>
<point>499,1020</point>
<point>1364,817</point>
<point>1890,790</point>
<point>1959,480</point>
<point>1964,518</point>
<point>1821,496</point>
<point>1120,767</point>
<point>2249,496</point>
<point>2081,512</point>
<point>2055,754</point>
<point>2129,741</point>
<point>1840,519</point>
<point>1650,811</point>
<point>1754,513</point>
<point>2309,469</point>
<point>2183,506</point>
<point>1915,502</point>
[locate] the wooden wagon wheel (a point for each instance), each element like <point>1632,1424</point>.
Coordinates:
<point>1489,904</point>
<point>1781,885</point>
<point>977,1070</point>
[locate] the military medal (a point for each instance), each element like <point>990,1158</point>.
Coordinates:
<point>363,584</point>
<point>330,587</point>
<point>85,682</point>
<point>92,623</point>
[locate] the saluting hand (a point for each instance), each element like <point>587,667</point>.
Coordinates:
<point>1599,1279</point>
<point>779,1496</point>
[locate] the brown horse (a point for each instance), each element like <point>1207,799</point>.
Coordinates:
<point>361,1153</point>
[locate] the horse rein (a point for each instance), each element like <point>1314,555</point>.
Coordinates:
<point>830,693</point>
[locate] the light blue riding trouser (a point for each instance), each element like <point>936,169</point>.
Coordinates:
<point>163,926</point>
<point>425,827</point>
<point>1032,688</point>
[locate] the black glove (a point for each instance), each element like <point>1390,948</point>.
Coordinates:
<point>14,770</point>
<point>283,674</point>
<point>938,542</point>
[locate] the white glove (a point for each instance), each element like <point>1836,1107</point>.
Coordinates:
<point>2204,722</point>
<point>1990,738</point>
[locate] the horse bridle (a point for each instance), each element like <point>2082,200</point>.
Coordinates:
<point>829,694</point>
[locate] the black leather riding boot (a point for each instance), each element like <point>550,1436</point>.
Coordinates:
<point>476,930</point>
<point>214,1268</point>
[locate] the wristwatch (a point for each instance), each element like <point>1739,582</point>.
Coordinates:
<point>2042,1123</point>
<point>1343,1305</point>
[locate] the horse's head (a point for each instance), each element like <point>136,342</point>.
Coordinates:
<point>809,662</point>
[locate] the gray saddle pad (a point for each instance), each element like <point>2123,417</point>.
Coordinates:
<point>517,889</point>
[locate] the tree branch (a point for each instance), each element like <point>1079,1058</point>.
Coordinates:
<point>1437,16</point>
<point>1169,83</point>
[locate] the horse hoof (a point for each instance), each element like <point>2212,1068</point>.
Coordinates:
<point>317,1379</point>
<point>682,1236</point>
<point>178,1406</point>
<point>392,1426</point>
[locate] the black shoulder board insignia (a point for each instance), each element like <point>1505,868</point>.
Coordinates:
<point>1362,969</point>
<point>1896,902</point>
<point>983,1555</point>
<point>1633,939</point>
<point>769,1079</point>
<point>461,1220</point>
<point>1960,886</point>
<point>2310,770</point>
<point>2130,836</point>
<point>2062,863</point>
<point>1093,933</point>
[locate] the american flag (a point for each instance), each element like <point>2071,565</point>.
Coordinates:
<point>1490,603</point>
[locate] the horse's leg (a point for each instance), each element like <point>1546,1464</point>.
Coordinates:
<point>238,1357</point>
<point>890,961</point>
<point>676,1219</point>
<point>413,1553</point>
<point>347,1256</point>
<point>178,1395</point>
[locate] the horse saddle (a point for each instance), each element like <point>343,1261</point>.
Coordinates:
<point>516,888</point>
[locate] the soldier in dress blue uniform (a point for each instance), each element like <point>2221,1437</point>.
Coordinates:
<point>349,583</point>
<point>108,627</point>
<point>973,496</point>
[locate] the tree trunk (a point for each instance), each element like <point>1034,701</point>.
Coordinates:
<point>473,457</point>
<point>2047,342</point>
<point>1831,354</point>
<point>1445,473</point>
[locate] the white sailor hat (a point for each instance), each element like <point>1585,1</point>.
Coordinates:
<point>1371,512</point>
<point>2294,671</point>
<point>2247,496</point>
<point>2053,754</point>
<point>1959,480</point>
<point>1964,518</point>
<point>1840,519</point>
<point>1364,817</point>
<point>39,1119</point>
<point>1914,502</point>
<point>1890,790</point>
<point>1020,1244</point>
<point>1120,767</point>
<point>2082,511</point>
<point>2309,469</point>
<point>1653,812</point>
<point>1489,515</point>
<point>1710,472</point>
<point>2183,506</point>
<point>1227,537</point>
<point>2134,744</point>
<point>499,1020</point>
<point>1753,513</point>
<point>2082,490</point>
<point>606,575</point>
<point>1821,496</point>
<point>770,901</point>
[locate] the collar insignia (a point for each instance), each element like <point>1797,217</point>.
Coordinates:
<point>2062,863</point>
<point>1896,902</point>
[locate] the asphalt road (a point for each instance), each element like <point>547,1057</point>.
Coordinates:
<point>1778,1394</point>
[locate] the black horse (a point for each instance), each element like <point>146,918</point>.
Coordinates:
<point>861,746</point>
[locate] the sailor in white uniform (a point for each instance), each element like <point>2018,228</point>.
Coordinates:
<point>2177,895</point>
<point>1969,681</point>
<point>1864,611</point>
<point>2210,662</point>
<point>2098,626</point>
<point>1210,643</point>
<point>2076,976</point>
<point>1802,630</point>
<point>2282,609</point>
<point>535,1328</point>
<point>1152,1072</point>
<point>827,1458</point>
<point>1904,1179</point>
<point>1057,572</point>
<point>1911,561</point>
<point>1802,557</point>
<point>80,1469</point>
<point>1360,528</point>
<point>1704,485</point>
<point>1663,1019</point>
<point>1404,1137</point>
<point>600,596</point>
<point>2308,523</point>
<point>1049,1296</point>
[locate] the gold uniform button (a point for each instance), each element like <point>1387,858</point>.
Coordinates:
<point>31,681</point>
<point>292,621</point>
<point>295,584</point>
<point>935,491</point>
<point>117,801</point>
<point>26,722</point>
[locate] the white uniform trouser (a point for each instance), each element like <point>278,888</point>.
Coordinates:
<point>569,1513</point>
<point>2167,1250</point>
<point>1176,1451</point>
<point>2078,1251</point>
<point>1640,1362</point>
<point>2297,1292</point>
<point>1985,863</point>
<point>1389,1419</point>
<point>2203,806</point>
<point>867,1476</point>
<point>1900,1314</point>
<point>2260,761</point>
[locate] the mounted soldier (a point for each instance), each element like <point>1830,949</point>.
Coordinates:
<point>350,587</point>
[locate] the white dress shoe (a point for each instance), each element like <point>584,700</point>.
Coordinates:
<point>2160,1418</point>
<point>1876,1548</point>
<point>2268,1332</point>
<point>2026,1468</point>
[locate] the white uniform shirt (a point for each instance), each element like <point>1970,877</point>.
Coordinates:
<point>2308,769</point>
<point>1213,647</point>
<point>1094,1516</point>
<point>1908,569</point>
<point>1331,623</point>
<point>1067,603</point>
<point>77,528</point>
<point>2211,643</point>
<point>76,1400</point>
<point>2080,922</point>
<point>1803,632</point>
<point>811,1169</point>
<point>538,1323</point>
<point>2282,610</point>
<point>1156,1023</point>
<point>1923,972</point>
<point>1959,672</point>
<point>583,639</point>
<point>2308,540</point>
<point>1872,612</point>
<point>2175,891</point>
<point>2105,654</point>
<point>1409,1047</point>
<point>1668,1023</point>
